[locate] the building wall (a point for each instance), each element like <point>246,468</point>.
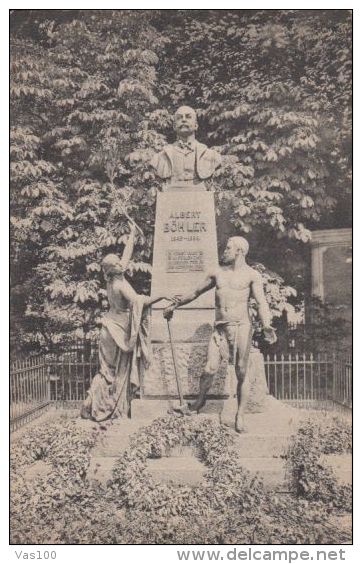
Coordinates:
<point>332,269</point>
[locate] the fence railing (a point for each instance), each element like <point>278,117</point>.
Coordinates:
<point>29,390</point>
<point>71,371</point>
<point>342,380</point>
<point>64,377</point>
<point>309,377</point>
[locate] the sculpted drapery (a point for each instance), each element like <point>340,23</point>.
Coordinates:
<point>123,354</point>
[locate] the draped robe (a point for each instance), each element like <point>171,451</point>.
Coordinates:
<point>123,353</point>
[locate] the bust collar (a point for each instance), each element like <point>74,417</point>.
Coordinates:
<point>187,146</point>
<point>199,148</point>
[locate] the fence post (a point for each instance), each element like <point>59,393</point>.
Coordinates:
<point>346,378</point>
<point>47,377</point>
<point>276,377</point>
<point>334,376</point>
<point>304,379</point>
<point>267,371</point>
<point>312,376</point>
<point>349,381</point>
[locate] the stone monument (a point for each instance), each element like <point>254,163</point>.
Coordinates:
<point>185,253</point>
<point>185,249</point>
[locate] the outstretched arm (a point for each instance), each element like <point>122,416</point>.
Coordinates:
<point>208,283</point>
<point>149,300</point>
<point>128,293</point>
<point>257,292</point>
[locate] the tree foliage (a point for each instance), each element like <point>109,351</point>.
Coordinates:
<point>273,90</point>
<point>80,96</point>
<point>92,95</point>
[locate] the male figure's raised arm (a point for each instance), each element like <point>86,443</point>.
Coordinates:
<point>257,291</point>
<point>208,283</point>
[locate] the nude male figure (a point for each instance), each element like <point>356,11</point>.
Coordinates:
<point>235,282</point>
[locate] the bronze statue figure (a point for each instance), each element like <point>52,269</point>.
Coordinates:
<point>235,282</point>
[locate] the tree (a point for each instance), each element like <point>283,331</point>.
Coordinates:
<point>80,97</point>
<point>273,89</point>
<point>93,93</point>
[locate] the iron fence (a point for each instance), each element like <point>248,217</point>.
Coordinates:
<point>71,371</point>
<point>29,390</point>
<point>342,380</point>
<point>309,377</point>
<point>63,378</point>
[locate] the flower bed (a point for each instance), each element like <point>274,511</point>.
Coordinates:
<point>229,506</point>
<point>312,479</point>
<point>40,506</point>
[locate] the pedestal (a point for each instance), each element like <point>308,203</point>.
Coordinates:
<point>258,392</point>
<point>185,250</point>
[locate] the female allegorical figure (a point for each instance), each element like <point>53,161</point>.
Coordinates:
<point>123,349</point>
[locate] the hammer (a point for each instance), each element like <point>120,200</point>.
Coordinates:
<point>183,408</point>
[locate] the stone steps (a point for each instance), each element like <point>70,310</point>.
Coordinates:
<point>148,410</point>
<point>116,438</point>
<point>259,450</point>
<point>178,469</point>
<point>270,470</point>
<point>260,446</point>
<point>100,468</point>
<point>341,465</point>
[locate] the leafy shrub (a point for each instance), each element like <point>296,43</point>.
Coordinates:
<point>229,505</point>
<point>311,478</point>
<point>225,483</point>
<point>39,508</point>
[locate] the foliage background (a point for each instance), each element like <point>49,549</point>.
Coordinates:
<point>92,96</point>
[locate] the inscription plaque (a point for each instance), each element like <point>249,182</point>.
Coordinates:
<point>185,261</point>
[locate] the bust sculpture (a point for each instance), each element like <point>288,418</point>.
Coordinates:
<point>186,163</point>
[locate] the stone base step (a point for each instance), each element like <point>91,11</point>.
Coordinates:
<point>261,446</point>
<point>181,469</point>
<point>259,450</point>
<point>189,470</point>
<point>116,439</point>
<point>270,470</point>
<point>148,410</point>
<point>119,431</point>
<point>276,419</point>
<point>341,465</point>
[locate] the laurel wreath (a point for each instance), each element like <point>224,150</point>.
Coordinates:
<point>223,484</point>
